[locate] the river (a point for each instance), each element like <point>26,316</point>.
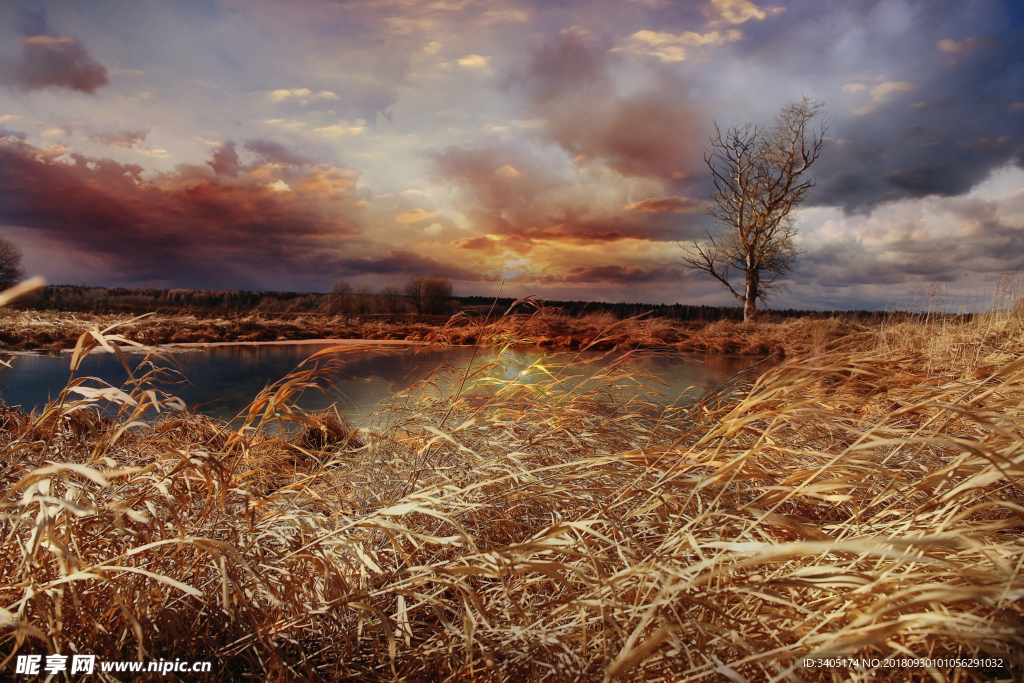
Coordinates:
<point>221,381</point>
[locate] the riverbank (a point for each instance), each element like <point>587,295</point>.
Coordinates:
<point>53,331</point>
<point>863,498</point>
<point>862,502</point>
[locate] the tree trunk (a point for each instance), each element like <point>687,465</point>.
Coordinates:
<point>750,296</point>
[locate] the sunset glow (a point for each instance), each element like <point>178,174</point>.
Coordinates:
<point>284,146</point>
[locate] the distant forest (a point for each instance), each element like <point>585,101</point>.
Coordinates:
<point>81,298</point>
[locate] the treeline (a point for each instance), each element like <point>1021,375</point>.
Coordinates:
<point>95,299</point>
<point>420,294</point>
<point>681,312</point>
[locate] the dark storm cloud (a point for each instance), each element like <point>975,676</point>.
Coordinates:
<point>188,227</point>
<point>928,108</point>
<point>51,61</point>
<point>952,238</point>
<point>400,262</point>
<point>843,264</point>
<point>616,274</point>
<point>624,274</point>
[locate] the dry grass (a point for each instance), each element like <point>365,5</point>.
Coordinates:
<point>52,330</point>
<point>547,328</point>
<point>863,500</point>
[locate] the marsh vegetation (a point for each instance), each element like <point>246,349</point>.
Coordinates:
<point>863,496</point>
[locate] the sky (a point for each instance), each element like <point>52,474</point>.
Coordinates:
<point>286,145</point>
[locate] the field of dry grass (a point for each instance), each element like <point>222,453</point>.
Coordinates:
<point>548,328</point>
<point>863,497</point>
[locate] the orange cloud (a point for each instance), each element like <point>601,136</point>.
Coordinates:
<point>964,47</point>
<point>414,216</point>
<point>739,11</point>
<point>663,205</point>
<point>669,47</point>
<point>191,223</point>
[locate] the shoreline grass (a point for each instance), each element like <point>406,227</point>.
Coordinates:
<point>864,497</point>
<point>49,331</point>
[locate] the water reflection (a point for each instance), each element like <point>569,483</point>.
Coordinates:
<point>221,381</point>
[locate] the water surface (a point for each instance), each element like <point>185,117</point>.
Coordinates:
<point>221,381</point>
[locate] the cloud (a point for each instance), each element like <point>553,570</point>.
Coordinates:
<point>485,243</point>
<point>52,61</point>
<point>301,94</point>
<point>122,138</point>
<point>402,262</point>
<point>669,47</point>
<point>30,23</point>
<point>475,62</point>
<point>584,151</point>
<point>1003,141</point>
<point>499,200</point>
<point>225,160</point>
<point>342,129</point>
<point>964,47</point>
<point>663,204</point>
<point>505,14</point>
<point>653,132</point>
<point>191,227</point>
<point>537,204</point>
<point>293,124</point>
<point>943,104</point>
<point>155,152</point>
<point>882,93</point>
<point>414,216</point>
<point>4,133</point>
<point>276,153</point>
<point>125,138</point>
<point>526,241</point>
<point>914,242</point>
<point>618,274</point>
<point>739,11</point>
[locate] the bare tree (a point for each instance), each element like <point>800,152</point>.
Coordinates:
<point>391,299</point>
<point>11,272</point>
<point>363,299</point>
<point>432,295</point>
<point>414,291</point>
<point>758,172</point>
<point>341,297</point>
<point>437,295</point>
